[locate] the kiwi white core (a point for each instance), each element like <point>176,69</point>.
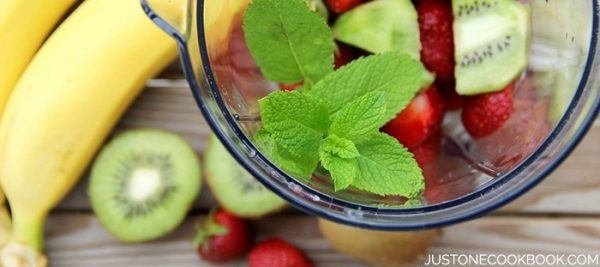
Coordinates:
<point>486,28</point>
<point>144,183</point>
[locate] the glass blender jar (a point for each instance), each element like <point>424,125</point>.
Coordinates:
<point>556,101</point>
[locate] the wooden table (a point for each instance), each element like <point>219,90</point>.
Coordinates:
<point>561,215</point>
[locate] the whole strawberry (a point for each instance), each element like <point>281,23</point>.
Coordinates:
<point>429,150</point>
<point>223,237</point>
<point>484,114</point>
<point>420,120</point>
<point>437,38</point>
<point>275,252</point>
<point>341,6</point>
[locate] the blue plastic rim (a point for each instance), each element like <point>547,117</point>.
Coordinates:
<point>302,204</point>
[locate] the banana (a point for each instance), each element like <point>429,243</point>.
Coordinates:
<point>66,103</point>
<point>24,24</point>
<point>4,221</point>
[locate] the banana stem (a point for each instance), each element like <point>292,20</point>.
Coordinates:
<point>28,229</point>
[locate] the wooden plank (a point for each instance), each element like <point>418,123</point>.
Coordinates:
<point>79,240</point>
<point>572,187</point>
<point>168,104</point>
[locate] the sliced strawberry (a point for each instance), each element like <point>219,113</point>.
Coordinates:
<point>437,39</point>
<point>420,120</point>
<point>429,150</point>
<point>484,114</point>
<point>343,55</point>
<point>341,6</point>
<point>289,87</point>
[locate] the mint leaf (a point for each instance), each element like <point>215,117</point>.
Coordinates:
<point>363,116</point>
<point>385,167</point>
<point>289,42</point>
<point>343,171</point>
<point>396,74</point>
<point>338,146</point>
<point>298,166</point>
<point>295,121</point>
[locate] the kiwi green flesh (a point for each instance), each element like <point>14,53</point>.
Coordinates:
<point>234,188</point>
<point>381,26</point>
<point>142,184</point>
<point>491,45</point>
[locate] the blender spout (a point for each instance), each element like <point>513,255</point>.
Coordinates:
<point>172,16</point>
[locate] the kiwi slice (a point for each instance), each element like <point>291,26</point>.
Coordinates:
<point>234,188</point>
<point>492,42</point>
<point>143,183</point>
<point>382,26</point>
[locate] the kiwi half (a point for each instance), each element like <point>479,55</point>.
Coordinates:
<point>143,183</point>
<point>492,42</point>
<point>234,188</point>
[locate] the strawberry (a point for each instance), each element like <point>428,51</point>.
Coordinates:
<point>223,237</point>
<point>486,113</point>
<point>289,87</point>
<point>437,39</point>
<point>341,6</point>
<point>420,120</point>
<point>343,55</point>
<point>454,101</point>
<point>429,150</point>
<point>275,252</point>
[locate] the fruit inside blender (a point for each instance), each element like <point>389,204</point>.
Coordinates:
<point>463,137</point>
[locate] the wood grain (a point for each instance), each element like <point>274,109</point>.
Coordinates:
<point>79,240</point>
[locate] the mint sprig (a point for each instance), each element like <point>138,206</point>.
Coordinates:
<point>395,73</point>
<point>335,120</point>
<point>289,42</point>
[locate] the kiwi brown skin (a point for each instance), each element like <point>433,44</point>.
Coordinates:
<point>222,203</point>
<point>379,248</point>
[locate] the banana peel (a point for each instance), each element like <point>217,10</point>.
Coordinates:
<point>4,221</point>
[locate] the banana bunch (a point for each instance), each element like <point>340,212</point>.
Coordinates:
<point>65,104</point>
<point>24,24</point>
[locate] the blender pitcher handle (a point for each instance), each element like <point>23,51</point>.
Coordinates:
<point>175,17</point>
